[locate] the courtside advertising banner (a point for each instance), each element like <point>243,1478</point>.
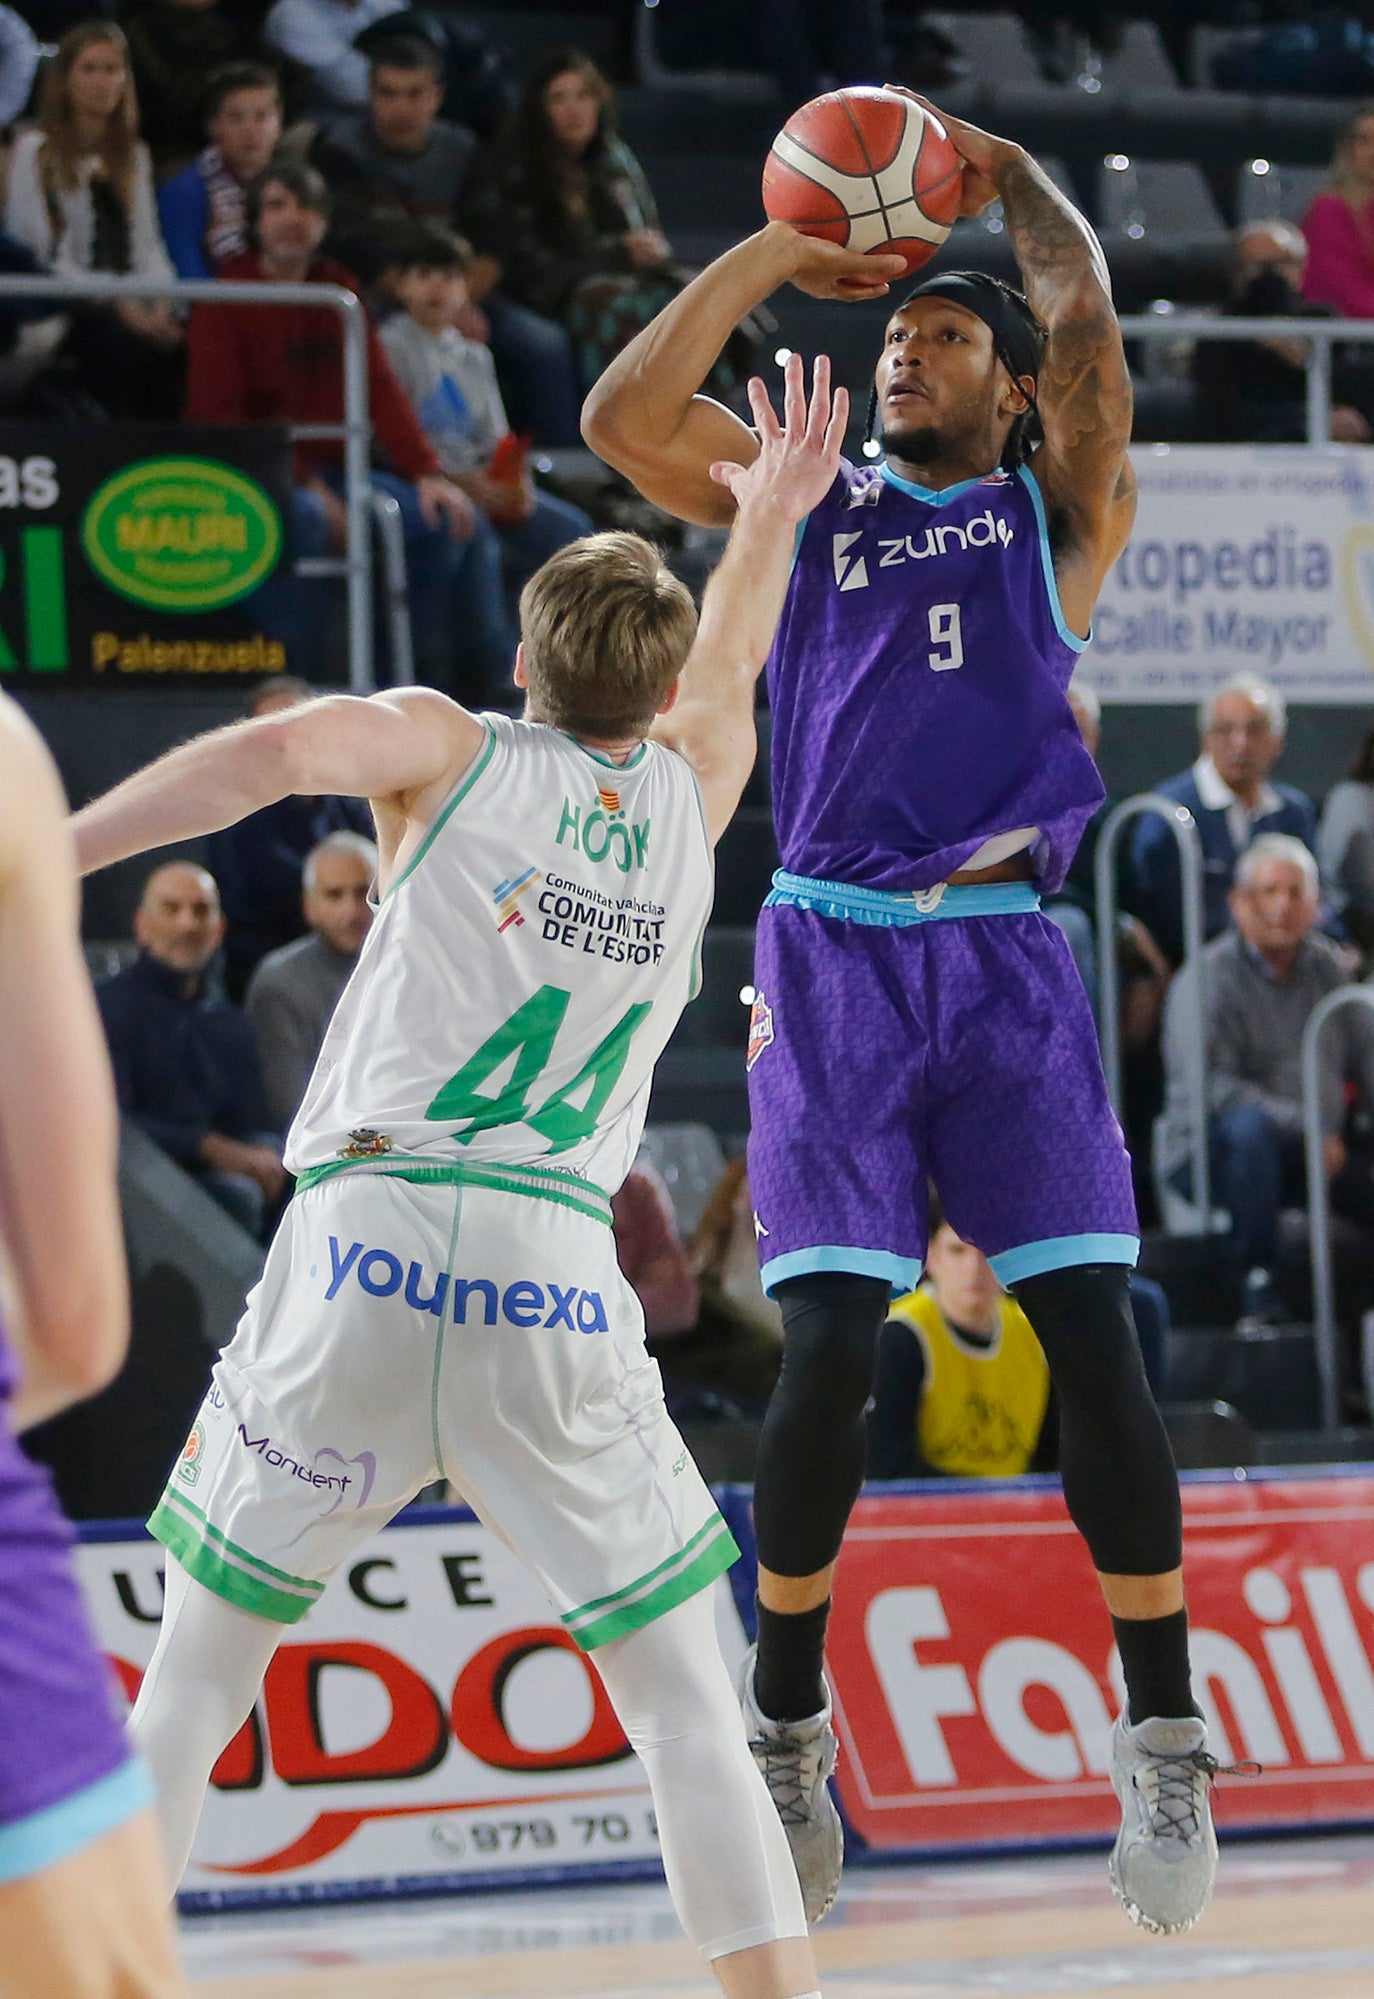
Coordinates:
<point>430,1725</point>
<point>429,1722</point>
<point>1255,559</point>
<point>975,1681</point>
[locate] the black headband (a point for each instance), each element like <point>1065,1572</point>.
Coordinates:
<point>1017,337</point>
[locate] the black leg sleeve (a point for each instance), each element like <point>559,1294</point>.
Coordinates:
<point>811,1452</point>
<point>1120,1482</point>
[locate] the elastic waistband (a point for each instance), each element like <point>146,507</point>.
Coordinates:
<point>890,911</point>
<point>540,1183</point>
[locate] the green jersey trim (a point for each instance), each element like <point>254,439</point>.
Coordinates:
<point>709,1553</point>
<point>465,784</point>
<point>216,1562</point>
<point>599,756</point>
<point>541,1183</point>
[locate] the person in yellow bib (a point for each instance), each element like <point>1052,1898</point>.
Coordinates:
<point>962,1389</point>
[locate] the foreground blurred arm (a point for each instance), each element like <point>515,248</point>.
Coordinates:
<point>711,724</point>
<point>59,1132</point>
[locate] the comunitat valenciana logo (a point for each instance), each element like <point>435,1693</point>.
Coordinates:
<point>182,534</point>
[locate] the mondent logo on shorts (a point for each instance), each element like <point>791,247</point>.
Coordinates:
<point>340,1483</point>
<point>946,538</point>
<point>523,1303</point>
<point>602,832</point>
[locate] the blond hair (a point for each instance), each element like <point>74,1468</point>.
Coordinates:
<point>606,628</point>
<point>61,153</point>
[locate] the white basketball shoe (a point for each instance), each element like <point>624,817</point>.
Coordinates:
<point>1164,1863</point>
<point>796,1758</point>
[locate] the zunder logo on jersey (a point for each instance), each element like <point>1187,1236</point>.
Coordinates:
<point>506,895</point>
<point>985,530</point>
<point>851,571</point>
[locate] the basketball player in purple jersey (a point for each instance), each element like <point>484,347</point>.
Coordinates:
<point>82,1881</point>
<point>915,1013</point>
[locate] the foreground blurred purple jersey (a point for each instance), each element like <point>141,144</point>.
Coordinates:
<point>917,685</point>
<point>66,1773</point>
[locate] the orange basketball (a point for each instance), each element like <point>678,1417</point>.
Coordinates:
<point>868,169</point>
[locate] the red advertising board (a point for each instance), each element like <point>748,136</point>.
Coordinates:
<point>975,1678</point>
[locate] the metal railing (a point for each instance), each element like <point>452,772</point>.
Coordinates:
<point>355,430</point>
<point>1318,336</point>
<point>1183,827</point>
<point>1324,1325</point>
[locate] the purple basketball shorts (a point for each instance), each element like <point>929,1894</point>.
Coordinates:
<point>66,1772</point>
<point>956,1049</point>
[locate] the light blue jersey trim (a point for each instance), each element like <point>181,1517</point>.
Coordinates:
<point>931,498</point>
<point>43,1838</point>
<point>798,538</point>
<point>1027,478</point>
<point>891,911</point>
<point>1063,1252</point>
<point>903,1273</point>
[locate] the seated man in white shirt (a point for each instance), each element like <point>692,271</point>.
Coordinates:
<point>292,994</point>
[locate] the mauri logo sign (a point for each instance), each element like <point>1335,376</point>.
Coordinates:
<point>181,534</point>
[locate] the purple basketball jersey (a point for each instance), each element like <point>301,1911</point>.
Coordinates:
<point>917,685</point>
<point>66,1774</point>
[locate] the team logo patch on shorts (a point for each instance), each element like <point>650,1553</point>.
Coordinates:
<point>760,1029</point>
<point>192,1452</point>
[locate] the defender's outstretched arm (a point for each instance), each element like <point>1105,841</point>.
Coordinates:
<point>387,747</point>
<point>646,415</point>
<point>711,724</point>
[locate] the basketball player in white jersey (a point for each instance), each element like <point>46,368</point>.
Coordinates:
<point>442,1299</point>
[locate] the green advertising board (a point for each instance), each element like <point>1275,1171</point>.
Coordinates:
<point>136,552</point>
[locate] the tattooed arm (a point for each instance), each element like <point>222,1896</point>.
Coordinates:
<point>1084,392</point>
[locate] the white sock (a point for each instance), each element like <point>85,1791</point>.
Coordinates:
<point>197,1693</point>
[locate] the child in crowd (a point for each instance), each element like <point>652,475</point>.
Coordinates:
<point>962,1388</point>
<point>451,380</point>
<point>204,209</point>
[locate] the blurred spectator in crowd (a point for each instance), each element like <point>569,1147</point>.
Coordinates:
<point>319,35</point>
<point>284,364</point>
<point>175,47</point>
<point>204,209</point>
<point>584,243</point>
<point>805,41</point>
<point>293,993</point>
<point>260,862</point>
<point>651,1254</point>
<point>1345,847</point>
<point>451,380</point>
<point>1232,800</point>
<point>1261,981</point>
<point>1255,391</point>
<point>399,158</point>
<point>18,64</point>
<point>80,196</point>
<point>1339,226</point>
<point>961,1388</point>
<point>185,1061</point>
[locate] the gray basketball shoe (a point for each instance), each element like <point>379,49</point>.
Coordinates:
<point>796,1757</point>
<point>1164,1863</point>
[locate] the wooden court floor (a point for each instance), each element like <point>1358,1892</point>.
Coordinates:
<point>1290,1921</point>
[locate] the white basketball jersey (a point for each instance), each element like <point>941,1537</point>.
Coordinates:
<point>525,969</point>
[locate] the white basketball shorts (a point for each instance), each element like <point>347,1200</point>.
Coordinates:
<point>459,1325</point>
